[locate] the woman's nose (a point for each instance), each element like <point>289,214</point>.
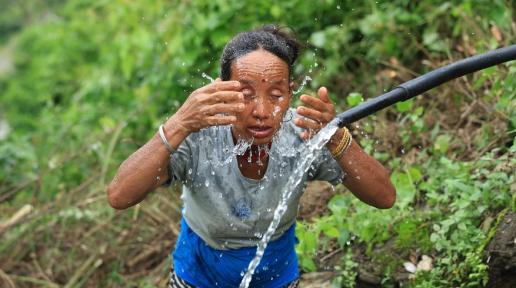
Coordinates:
<point>261,109</point>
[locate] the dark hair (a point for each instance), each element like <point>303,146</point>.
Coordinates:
<point>270,38</point>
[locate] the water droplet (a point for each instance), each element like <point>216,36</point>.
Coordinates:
<point>338,7</point>
<point>305,80</point>
<point>206,76</point>
<point>207,183</point>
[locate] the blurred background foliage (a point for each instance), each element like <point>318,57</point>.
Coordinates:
<point>84,83</point>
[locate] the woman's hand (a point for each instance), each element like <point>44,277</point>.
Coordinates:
<point>211,105</point>
<point>318,112</point>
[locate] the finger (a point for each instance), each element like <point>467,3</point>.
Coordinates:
<point>316,115</point>
<point>310,113</point>
<point>221,86</point>
<point>324,95</point>
<point>218,79</point>
<point>305,135</point>
<point>222,97</point>
<point>223,108</point>
<point>313,102</point>
<point>221,120</point>
<point>308,124</point>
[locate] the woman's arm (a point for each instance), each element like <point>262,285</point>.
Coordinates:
<point>147,168</point>
<point>366,178</point>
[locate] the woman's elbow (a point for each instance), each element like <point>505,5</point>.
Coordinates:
<point>115,199</point>
<point>388,199</point>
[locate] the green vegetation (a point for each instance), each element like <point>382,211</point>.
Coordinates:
<point>92,81</point>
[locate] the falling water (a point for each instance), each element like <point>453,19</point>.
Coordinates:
<point>311,151</point>
<point>206,76</point>
<point>302,86</point>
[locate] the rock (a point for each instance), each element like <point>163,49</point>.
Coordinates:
<point>425,264</point>
<point>316,280</point>
<point>410,267</point>
<point>314,202</point>
<point>501,254</point>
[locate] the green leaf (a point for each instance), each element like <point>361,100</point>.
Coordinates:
<point>354,99</point>
<point>331,231</point>
<point>404,106</point>
<point>308,264</point>
<point>442,143</point>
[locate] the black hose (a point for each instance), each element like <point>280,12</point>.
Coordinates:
<point>428,81</point>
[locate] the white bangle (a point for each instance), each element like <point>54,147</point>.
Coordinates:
<point>164,140</point>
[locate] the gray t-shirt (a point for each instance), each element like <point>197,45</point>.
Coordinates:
<point>228,210</point>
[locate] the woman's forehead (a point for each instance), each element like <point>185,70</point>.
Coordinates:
<point>260,66</point>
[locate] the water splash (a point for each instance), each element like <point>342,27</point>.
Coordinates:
<point>206,76</point>
<point>302,86</point>
<point>223,157</point>
<point>311,150</point>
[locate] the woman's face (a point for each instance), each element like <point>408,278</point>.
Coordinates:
<point>266,89</point>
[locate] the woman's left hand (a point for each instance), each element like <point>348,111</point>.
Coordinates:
<point>318,112</point>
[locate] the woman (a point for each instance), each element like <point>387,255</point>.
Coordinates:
<point>233,144</point>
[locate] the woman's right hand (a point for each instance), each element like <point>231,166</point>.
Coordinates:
<point>211,105</point>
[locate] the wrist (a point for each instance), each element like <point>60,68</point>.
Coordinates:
<point>339,147</point>
<point>174,128</point>
<point>335,139</point>
<point>174,132</point>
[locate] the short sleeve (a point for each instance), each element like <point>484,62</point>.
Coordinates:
<point>180,162</point>
<point>326,168</point>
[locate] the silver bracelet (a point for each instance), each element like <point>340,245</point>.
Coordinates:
<point>164,140</point>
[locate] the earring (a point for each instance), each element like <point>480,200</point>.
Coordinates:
<point>289,117</point>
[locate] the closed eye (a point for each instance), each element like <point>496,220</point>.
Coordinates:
<point>247,92</point>
<point>276,93</point>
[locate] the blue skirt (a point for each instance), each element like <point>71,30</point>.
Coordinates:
<point>202,266</point>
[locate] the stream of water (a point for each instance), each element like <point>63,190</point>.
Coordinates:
<point>311,150</point>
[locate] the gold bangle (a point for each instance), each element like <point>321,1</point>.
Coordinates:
<point>341,144</point>
<point>344,142</point>
<point>345,147</point>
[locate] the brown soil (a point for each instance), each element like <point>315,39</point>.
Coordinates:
<point>314,201</point>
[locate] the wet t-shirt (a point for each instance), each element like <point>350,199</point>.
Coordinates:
<point>228,210</point>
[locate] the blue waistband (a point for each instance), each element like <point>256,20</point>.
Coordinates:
<point>202,266</point>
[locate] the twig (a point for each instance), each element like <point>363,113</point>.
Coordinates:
<point>17,217</point>
<point>399,67</point>
<point>38,267</point>
<point>6,279</point>
<point>156,249</point>
<point>90,272</point>
<point>109,152</point>
<point>80,272</point>
<point>39,282</point>
<point>329,255</point>
<point>8,193</point>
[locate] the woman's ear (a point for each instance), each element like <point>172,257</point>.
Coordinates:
<point>291,87</point>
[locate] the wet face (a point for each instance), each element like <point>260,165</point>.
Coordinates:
<point>266,89</point>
